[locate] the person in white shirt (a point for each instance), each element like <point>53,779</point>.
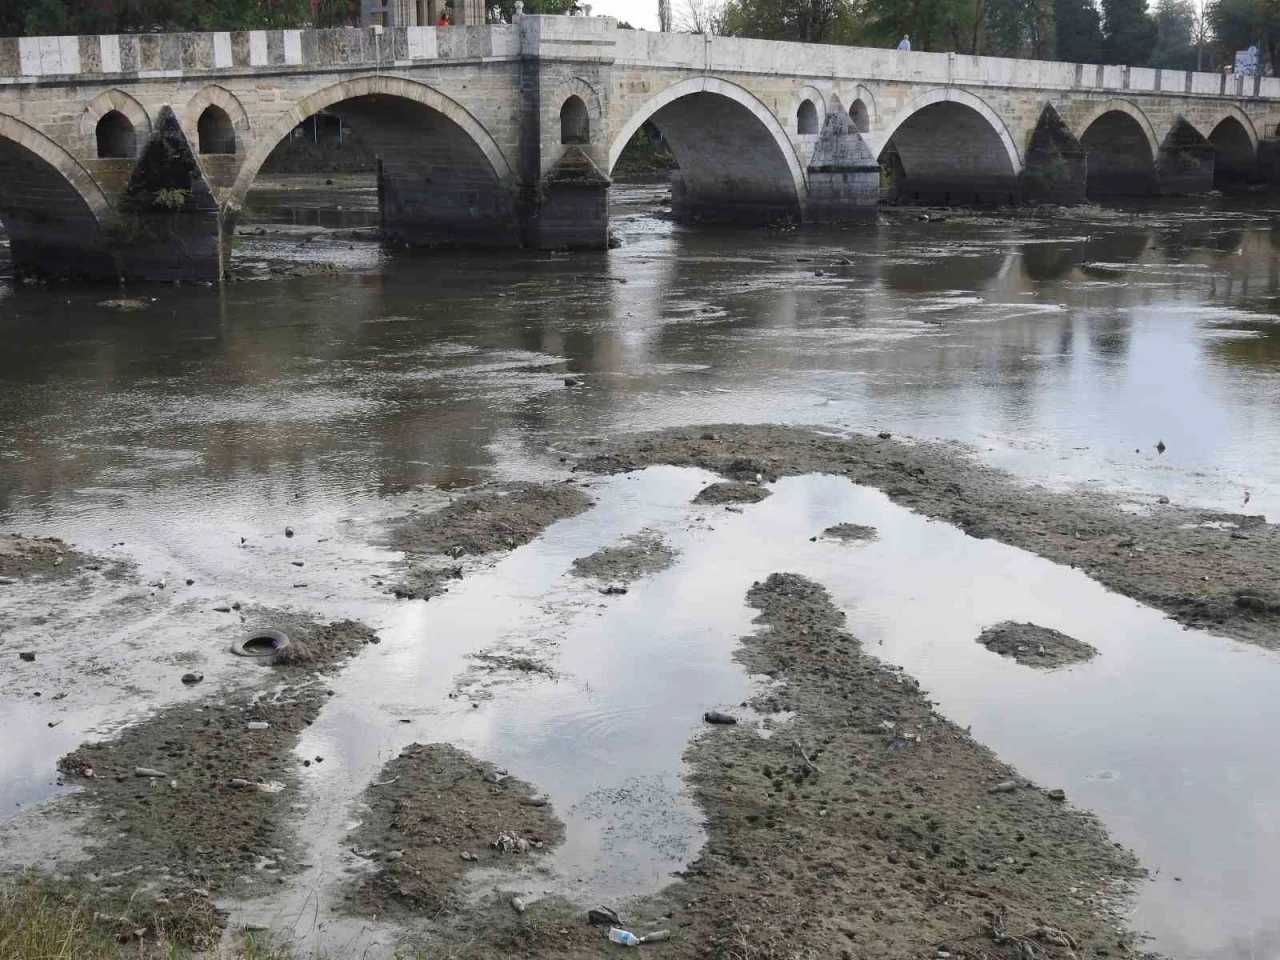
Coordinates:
<point>904,43</point>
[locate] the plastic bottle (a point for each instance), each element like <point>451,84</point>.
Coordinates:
<point>623,937</point>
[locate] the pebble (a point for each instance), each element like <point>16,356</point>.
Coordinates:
<point>288,531</point>
<point>190,678</point>
<point>190,582</point>
<point>27,655</point>
<point>257,725</point>
<point>613,590</point>
<point>221,609</point>
<point>715,716</point>
<point>238,783</point>
<point>517,905</point>
<point>298,563</point>
<point>885,435</point>
<point>394,855</point>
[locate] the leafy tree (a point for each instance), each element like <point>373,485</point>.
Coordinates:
<point>1175,29</point>
<point>1079,31</point>
<point>1128,31</point>
<point>937,25</point>
<point>1237,24</point>
<point>809,21</point>
<point>1019,28</point>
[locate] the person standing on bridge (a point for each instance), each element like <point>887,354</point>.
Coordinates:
<point>904,43</point>
<point>444,19</point>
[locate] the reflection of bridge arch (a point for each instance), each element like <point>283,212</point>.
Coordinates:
<point>51,207</point>
<point>732,152</point>
<point>949,146</point>
<point>440,171</point>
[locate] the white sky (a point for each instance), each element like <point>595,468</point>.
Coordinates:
<point>638,13</point>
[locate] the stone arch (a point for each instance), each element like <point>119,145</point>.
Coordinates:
<point>1235,147</point>
<point>440,172</point>
<point>754,140</point>
<point>949,146</point>
<point>1120,105</point>
<point>215,133</point>
<point>575,122</point>
<point>115,137</point>
<point>1121,149</point>
<point>51,207</point>
<point>355,88</point>
<point>121,102</point>
<point>1232,112</point>
<point>577,87</point>
<point>860,116</point>
<point>222,98</point>
<point>952,95</point>
<point>813,120</point>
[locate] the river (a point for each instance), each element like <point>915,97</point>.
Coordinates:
<point>1062,349</point>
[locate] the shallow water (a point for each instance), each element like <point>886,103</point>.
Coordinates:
<point>1058,349</point>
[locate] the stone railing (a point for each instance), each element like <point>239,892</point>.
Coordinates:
<point>50,59</point>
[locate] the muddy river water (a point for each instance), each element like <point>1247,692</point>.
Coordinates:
<point>182,434</point>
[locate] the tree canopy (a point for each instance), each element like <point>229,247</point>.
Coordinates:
<point>1128,32</point>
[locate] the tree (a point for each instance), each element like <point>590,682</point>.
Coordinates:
<point>698,16</point>
<point>1175,29</point>
<point>1019,28</point>
<point>1079,31</point>
<point>937,25</point>
<point>1128,31</point>
<point>1237,24</point>
<point>809,21</point>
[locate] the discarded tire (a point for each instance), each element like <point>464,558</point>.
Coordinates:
<point>260,643</point>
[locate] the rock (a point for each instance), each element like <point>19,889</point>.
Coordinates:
<point>147,772</point>
<point>192,678</point>
<point>190,582</point>
<point>298,563</point>
<point>288,531</point>
<point>613,590</point>
<point>1057,793</point>
<point>517,905</point>
<point>257,725</point>
<point>221,609</point>
<point>572,382</point>
<point>27,655</point>
<point>715,716</point>
<point>393,855</point>
<point>1160,447</point>
<point>1006,786</point>
<point>885,435</point>
<point>239,783</point>
<point>1162,499</point>
<point>603,917</point>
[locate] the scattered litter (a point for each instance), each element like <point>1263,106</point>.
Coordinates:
<point>257,725</point>
<point>623,937</point>
<point>147,772</point>
<point>260,643</point>
<point>517,905</point>
<point>1005,786</point>
<point>510,843</point>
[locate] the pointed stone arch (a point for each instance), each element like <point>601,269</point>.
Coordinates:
<point>721,88</point>
<point>355,88</point>
<point>122,103</point>
<point>215,96</point>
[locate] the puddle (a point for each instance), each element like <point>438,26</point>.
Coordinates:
<point>1191,791</point>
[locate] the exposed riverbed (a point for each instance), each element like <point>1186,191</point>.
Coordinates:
<point>575,641</point>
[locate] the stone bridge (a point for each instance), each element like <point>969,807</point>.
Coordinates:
<point>131,155</point>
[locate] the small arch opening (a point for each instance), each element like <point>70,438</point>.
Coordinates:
<point>858,114</point>
<point>217,135</point>
<point>807,118</point>
<point>116,136</point>
<point>575,123</point>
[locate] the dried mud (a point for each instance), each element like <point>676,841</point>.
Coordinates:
<point>634,558</point>
<point>22,557</point>
<point>851,532</point>
<point>1035,646</point>
<point>435,813</point>
<point>488,520</point>
<point>218,818</point>
<point>1208,577</point>
<point>732,491</point>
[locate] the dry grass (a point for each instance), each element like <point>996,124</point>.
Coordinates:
<point>40,922</point>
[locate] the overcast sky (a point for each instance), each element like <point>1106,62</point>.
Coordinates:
<point>638,13</point>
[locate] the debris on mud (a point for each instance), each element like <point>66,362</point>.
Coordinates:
<point>731,492</point>
<point>824,835</point>
<point>1035,646</point>
<point>640,555</point>
<point>490,519</point>
<point>851,532</point>
<point>421,582</point>
<point>198,795</point>
<point>1171,558</point>
<point>32,556</point>
<point>441,809</point>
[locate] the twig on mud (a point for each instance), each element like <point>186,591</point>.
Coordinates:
<point>812,766</point>
<point>384,783</point>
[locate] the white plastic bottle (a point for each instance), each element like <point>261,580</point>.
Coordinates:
<point>624,937</point>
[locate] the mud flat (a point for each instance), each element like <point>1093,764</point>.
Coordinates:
<point>1035,646</point>
<point>1208,570</point>
<point>635,557</point>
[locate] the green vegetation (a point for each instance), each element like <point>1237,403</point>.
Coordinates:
<point>135,16</point>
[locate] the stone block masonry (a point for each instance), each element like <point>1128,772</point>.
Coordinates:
<point>507,135</point>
